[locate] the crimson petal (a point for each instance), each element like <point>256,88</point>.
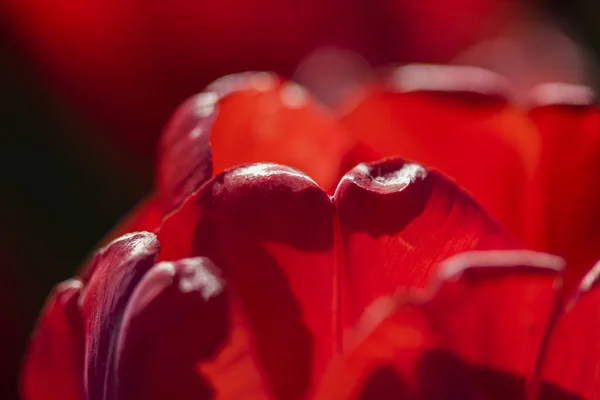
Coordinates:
<point>112,276</point>
<point>397,222</point>
<point>270,229</point>
<point>476,337</point>
<point>53,365</point>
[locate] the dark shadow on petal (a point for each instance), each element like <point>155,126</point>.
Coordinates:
<point>167,340</point>
<point>285,346</point>
<point>443,376</point>
<point>384,384</point>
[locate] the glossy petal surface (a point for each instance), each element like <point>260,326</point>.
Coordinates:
<point>53,367</point>
<point>570,171</point>
<point>114,272</point>
<point>397,221</point>
<point>456,120</point>
<point>270,229</point>
<point>476,337</point>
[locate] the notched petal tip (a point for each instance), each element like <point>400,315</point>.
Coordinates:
<point>449,78</point>
<point>561,94</point>
<point>478,263</point>
<point>386,176</point>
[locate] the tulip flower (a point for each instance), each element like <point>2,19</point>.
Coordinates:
<point>272,263</point>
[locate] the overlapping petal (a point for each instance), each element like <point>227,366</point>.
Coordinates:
<point>477,336</point>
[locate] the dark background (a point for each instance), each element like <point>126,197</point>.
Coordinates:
<point>65,182</point>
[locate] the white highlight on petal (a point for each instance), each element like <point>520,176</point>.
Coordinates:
<point>448,78</point>
<point>263,81</point>
<point>393,181</point>
<point>196,132</point>
<point>205,104</point>
<point>197,277</point>
<point>590,279</point>
<point>557,93</point>
<point>262,170</point>
<point>454,266</point>
<point>293,95</point>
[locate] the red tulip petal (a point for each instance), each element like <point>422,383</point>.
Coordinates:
<point>176,323</point>
<point>570,130</point>
<point>270,228</point>
<point>455,119</point>
<point>573,358</point>
<point>477,337</point>
<point>53,367</point>
<point>112,276</point>
<point>397,222</point>
<point>184,154</point>
<point>245,118</point>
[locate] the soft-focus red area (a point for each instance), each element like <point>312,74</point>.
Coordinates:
<point>485,144</point>
<point>570,193</point>
<point>476,337</point>
<point>396,222</point>
<point>128,64</point>
<point>53,368</point>
<point>573,358</point>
